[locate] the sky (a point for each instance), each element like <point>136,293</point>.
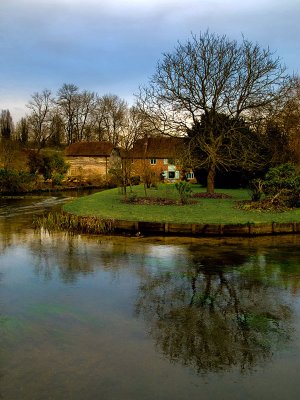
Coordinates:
<point>113,46</point>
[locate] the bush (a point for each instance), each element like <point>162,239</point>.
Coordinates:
<point>135,180</point>
<point>34,162</point>
<point>57,178</point>
<point>131,198</point>
<point>50,165</point>
<point>15,182</point>
<point>184,190</point>
<point>256,189</point>
<point>283,182</point>
<point>280,187</point>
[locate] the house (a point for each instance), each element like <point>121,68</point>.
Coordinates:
<point>156,157</point>
<point>159,156</point>
<point>87,159</point>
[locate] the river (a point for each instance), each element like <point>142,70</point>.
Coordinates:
<point>131,318</point>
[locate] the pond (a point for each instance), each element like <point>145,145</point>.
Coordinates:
<point>95,317</point>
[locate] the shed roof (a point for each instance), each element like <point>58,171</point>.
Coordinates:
<point>90,149</point>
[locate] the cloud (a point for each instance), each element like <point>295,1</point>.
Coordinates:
<point>114,45</point>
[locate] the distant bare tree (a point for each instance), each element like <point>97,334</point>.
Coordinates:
<point>211,76</point>
<point>281,128</point>
<point>290,120</point>
<point>57,129</point>
<point>135,127</point>
<point>110,118</point>
<point>76,109</point>
<point>22,130</point>
<point>39,120</point>
<point>67,102</point>
<point>113,120</point>
<point>97,120</point>
<point>10,154</point>
<point>6,125</point>
<point>86,103</point>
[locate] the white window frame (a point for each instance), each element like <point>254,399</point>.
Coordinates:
<point>190,175</point>
<point>153,161</point>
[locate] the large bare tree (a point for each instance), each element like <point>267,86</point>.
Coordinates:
<point>208,78</point>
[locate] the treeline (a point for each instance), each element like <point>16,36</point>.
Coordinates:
<point>74,115</point>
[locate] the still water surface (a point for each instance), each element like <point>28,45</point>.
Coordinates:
<point>145,318</point>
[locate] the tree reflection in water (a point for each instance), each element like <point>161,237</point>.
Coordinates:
<point>212,314</point>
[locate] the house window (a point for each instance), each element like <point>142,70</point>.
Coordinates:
<point>153,161</point>
<point>165,161</point>
<point>190,175</point>
<point>171,174</point>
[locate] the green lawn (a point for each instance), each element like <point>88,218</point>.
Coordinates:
<point>108,204</point>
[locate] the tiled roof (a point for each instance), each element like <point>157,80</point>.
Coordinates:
<point>157,147</point>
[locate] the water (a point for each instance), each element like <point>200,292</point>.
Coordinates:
<point>145,318</point>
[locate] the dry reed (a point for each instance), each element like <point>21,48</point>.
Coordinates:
<point>74,223</point>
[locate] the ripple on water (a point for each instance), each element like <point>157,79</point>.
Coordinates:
<point>13,207</point>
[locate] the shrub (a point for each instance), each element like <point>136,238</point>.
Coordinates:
<point>131,198</point>
<point>50,165</point>
<point>280,187</point>
<point>256,189</point>
<point>283,182</point>
<point>15,182</point>
<point>184,190</point>
<point>57,178</point>
<point>34,162</point>
<point>135,180</point>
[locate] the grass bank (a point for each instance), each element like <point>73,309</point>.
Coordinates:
<point>109,204</point>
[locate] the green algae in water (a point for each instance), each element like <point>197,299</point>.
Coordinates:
<point>12,328</point>
<point>64,314</point>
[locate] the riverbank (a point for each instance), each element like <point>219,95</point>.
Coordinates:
<point>50,189</point>
<point>205,217</point>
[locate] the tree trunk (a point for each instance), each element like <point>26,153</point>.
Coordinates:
<point>211,173</point>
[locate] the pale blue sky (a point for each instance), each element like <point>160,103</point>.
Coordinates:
<point>112,46</point>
